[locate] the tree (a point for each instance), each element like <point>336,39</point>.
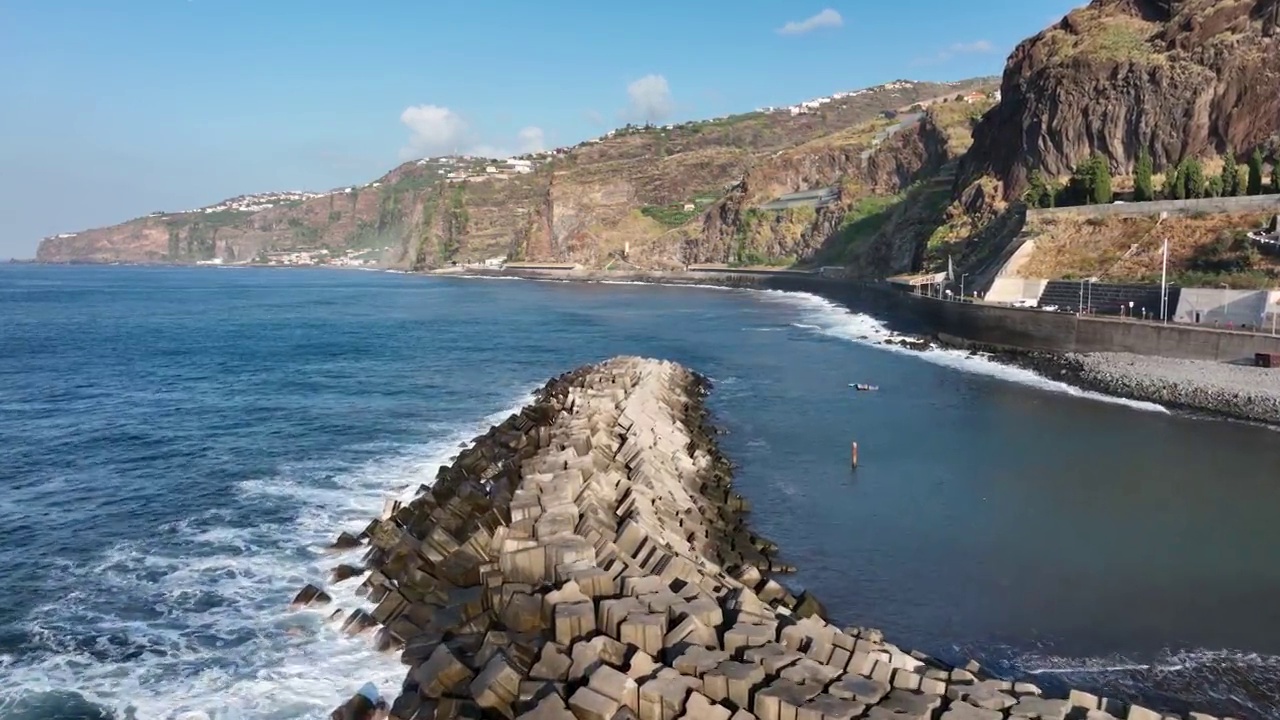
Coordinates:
<point>1172,187</point>
<point>1275,176</point>
<point>1255,173</point>
<point>1038,194</point>
<point>1091,182</point>
<point>1230,175</point>
<point>1213,188</point>
<point>1101,181</point>
<point>1192,179</point>
<point>1142,187</point>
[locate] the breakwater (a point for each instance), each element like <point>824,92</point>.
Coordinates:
<point>589,558</point>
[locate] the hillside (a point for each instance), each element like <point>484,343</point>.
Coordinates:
<point>660,196</point>
<point>1204,250</point>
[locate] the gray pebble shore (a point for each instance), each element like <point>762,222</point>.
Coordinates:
<point>1237,391</point>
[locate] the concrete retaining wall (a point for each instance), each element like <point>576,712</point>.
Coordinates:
<point>587,560</point>
<point>1010,289</point>
<point>1063,332</point>
<point>1246,204</point>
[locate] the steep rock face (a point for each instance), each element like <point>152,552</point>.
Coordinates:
<point>1179,78</point>
<point>734,232</point>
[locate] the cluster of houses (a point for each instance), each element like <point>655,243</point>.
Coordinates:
<point>308,257</point>
<point>252,203</point>
<point>497,170</point>
<point>812,106</point>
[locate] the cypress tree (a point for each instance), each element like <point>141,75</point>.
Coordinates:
<point>1255,173</point>
<point>1169,190</point>
<point>1275,175</point>
<point>1142,187</point>
<point>1230,175</point>
<point>1193,179</point>
<point>1101,181</point>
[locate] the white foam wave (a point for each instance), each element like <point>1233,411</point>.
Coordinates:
<point>830,319</point>
<point>214,638</point>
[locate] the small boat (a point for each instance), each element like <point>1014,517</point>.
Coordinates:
<point>863,387</point>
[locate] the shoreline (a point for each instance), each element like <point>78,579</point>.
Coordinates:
<point>1199,388</point>
<point>589,554</point>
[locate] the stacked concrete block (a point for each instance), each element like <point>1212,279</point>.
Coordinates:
<point>589,559</point>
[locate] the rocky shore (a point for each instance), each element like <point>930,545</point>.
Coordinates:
<point>588,559</point>
<point>1240,392</point>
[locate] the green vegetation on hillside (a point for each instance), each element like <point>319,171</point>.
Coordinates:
<point>860,225</point>
<point>670,216</point>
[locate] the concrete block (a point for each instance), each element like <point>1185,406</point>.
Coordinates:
<point>1038,708</point>
<point>1080,698</point>
<point>587,704</point>
<point>616,685</point>
<point>698,707</point>
<point>574,621</point>
<point>862,689</point>
<point>731,682</point>
<point>697,661</point>
<point>645,631</point>
<point>959,710</point>
<point>497,686</point>
<point>782,700</point>
<point>663,697</point>
<point>552,664</point>
<point>806,671</point>
<point>830,707</point>
<point>441,673</point>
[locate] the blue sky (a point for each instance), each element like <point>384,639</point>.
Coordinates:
<point>109,110</point>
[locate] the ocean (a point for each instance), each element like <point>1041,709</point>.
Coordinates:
<point>178,445</point>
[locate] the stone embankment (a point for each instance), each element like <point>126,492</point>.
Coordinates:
<point>588,559</point>
<point>1240,392</point>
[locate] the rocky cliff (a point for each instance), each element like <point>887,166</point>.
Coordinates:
<point>648,197</point>
<point>1179,78</point>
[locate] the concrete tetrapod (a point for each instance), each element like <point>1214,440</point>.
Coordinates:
<point>588,558</point>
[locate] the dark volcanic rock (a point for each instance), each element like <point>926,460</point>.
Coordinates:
<point>1179,78</point>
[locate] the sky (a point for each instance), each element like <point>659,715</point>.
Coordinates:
<point>111,110</point>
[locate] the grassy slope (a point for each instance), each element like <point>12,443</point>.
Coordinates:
<point>1203,251</point>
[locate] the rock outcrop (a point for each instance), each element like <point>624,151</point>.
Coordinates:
<point>588,559</point>
<point>1179,78</point>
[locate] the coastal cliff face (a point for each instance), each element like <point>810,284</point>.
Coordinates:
<point>1179,78</point>
<point>646,197</point>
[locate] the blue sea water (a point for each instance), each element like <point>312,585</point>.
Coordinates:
<point>178,445</point>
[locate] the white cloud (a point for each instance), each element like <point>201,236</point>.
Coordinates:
<point>432,129</point>
<point>828,18</point>
<point>531,139</point>
<point>650,98</point>
<point>977,47</point>
<point>436,130</point>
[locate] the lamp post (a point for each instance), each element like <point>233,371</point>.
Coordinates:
<point>1164,283</point>
<point>1080,302</point>
<point>1092,280</point>
<point>1225,302</point>
<point>962,277</point>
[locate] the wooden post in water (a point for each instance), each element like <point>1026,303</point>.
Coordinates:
<point>853,455</point>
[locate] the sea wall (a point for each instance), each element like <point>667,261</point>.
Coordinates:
<point>1030,329</point>
<point>588,559</point>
